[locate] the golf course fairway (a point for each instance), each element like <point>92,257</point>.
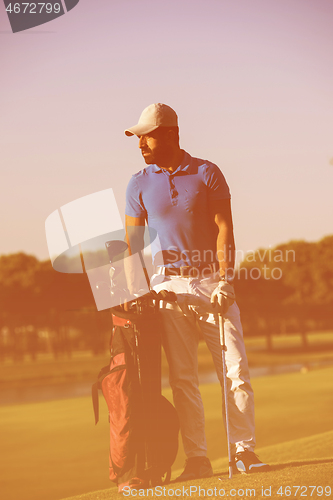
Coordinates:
<point>53,450</point>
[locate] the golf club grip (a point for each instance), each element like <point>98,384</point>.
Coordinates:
<point>163,295</point>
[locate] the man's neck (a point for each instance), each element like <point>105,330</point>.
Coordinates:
<point>175,161</point>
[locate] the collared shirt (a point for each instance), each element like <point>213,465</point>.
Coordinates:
<point>176,205</point>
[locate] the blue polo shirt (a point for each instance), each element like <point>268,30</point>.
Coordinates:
<point>176,205</point>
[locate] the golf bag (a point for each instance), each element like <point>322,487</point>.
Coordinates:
<point>144,425</point>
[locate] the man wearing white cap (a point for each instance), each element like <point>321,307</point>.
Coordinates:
<point>187,202</point>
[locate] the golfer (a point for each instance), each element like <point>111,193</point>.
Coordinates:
<point>187,202</point>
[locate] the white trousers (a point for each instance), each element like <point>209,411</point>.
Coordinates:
<point>182,321</point>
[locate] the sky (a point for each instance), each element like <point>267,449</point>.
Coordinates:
<point>250,80</point>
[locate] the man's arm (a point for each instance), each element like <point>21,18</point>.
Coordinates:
<point>225,244</point>
<point>135,227</point>
<point>224,295</point>
<point>134,233</point>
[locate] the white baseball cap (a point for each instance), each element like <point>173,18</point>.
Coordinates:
<point>152,117</point>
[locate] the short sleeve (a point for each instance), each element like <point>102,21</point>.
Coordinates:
<point>216,183</point>
<point>134,203</point>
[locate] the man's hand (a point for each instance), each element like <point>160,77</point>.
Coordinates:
<point>223,296</point>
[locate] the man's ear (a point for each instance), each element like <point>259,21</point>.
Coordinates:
<point>171,136</point>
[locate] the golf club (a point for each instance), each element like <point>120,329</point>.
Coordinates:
<point>225,389</point>
<point>115,248</point>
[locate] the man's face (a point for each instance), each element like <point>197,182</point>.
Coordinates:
<point>156,148</point>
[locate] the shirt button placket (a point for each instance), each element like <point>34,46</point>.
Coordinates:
<point>173,190</point>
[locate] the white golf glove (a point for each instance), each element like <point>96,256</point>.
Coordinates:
<point>223,296</point>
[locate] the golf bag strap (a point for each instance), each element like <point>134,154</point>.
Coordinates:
<point>95,400</point>
<point>94,390</point>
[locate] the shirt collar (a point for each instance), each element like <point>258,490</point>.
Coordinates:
<point>182,167</point>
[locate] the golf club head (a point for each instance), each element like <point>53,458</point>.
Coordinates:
<point>112,271</point>
<point>120,295</point>
<point>114,248</point>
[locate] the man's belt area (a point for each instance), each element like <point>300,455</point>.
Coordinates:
<point>188,271</point>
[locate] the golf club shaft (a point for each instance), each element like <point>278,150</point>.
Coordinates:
<point>225,389</point>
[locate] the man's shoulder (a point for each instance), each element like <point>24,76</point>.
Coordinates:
<point>211,176</point>
<point>203,165</point>
<point>138,181</point>
<point>144,172</point>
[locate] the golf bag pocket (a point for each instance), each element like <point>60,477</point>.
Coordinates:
<point>118,392</point>
<point>120,387</point>
<point>144,426</point>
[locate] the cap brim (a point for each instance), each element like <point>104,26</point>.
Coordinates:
<point>140,129</point>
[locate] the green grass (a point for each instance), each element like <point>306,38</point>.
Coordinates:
<point>53,450</point>
<point>288,349</point>
<point>292,466</point>
<point>83,366</point>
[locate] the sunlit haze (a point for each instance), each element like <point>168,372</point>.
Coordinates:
<point>251,81</point>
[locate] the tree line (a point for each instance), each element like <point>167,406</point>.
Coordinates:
<point>288,288</point>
